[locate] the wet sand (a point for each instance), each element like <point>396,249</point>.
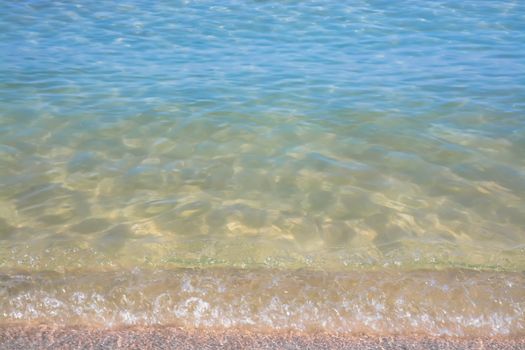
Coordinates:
<point>46,337</point>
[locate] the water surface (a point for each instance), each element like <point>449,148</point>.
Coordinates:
<point>326,136</point>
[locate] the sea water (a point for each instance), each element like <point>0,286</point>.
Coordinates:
<point>352,152</point>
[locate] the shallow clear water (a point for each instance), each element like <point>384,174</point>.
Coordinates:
<point>258,134</point>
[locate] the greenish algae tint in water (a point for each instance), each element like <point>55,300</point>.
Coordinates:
<point>348,165</point>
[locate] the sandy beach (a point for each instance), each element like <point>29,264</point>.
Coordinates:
<point>17,337</point>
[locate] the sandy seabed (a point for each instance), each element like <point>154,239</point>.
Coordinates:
<point>21,337</point>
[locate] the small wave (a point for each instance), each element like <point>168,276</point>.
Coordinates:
<point>436,303</point>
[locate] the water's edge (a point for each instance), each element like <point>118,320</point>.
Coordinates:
<point>452,302</point>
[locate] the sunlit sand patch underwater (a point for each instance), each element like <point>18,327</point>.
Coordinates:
<point>263,167</point>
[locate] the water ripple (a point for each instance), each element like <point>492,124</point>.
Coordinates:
<point>319,134</point>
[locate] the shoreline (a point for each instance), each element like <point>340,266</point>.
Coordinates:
<point>17,337</point>
<point>456,303</point>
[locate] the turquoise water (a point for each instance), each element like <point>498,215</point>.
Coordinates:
<point>321,135</point>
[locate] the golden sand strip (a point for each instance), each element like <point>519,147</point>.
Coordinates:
<point>17,337</point>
